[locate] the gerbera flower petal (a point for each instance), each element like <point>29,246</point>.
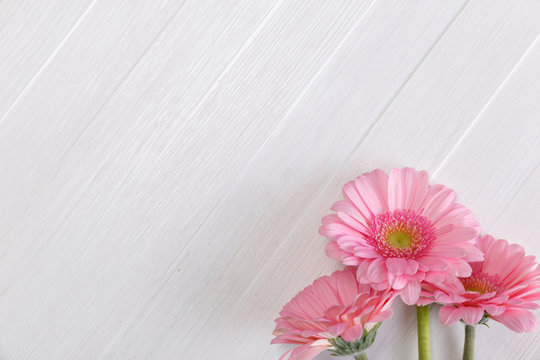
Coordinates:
<point>494,310</point>
<point>412,267</point>
<point>361,270</point>
<point>459,215</point>
<point>407,188</point>
<point>449,315</point>
<point>504,285</point>
<point>335,329</point>
<point>448,251</point>
<point>458,234</point>
<point>493,253</point>
<point>470,314</point>
<point>305,352</point>
<point>365,252</point>
<point>514,254</point>
<point>353,333</point>
<point>474,254</point>
<point>404,218</point>
<point>350,193</point>
<point>338,229</point>
<point>411,293</point>
<point>345,287</point>
<point>397,189</point>
<point>396,266</point>
<point>350,261</point>
<point>398,282</point>
<point>352,222</point>
<point>436,277</point>
<point>349,242</point>
<point>434,263</point>
<point>348,208</point>
<point>333,251</point>
<point>370,193</point>
<point>439,204</point>
<point>380,178</point>
<point>376,272</point>
<point>335,305</point>
<point>518,320</point>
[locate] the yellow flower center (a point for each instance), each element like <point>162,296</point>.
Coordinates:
<point>481,283</point>
<point>401,233</point>
<point>475,289</point>
<point>400,239</point>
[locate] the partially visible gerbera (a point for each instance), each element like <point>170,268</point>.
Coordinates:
<point>504,287</point>
<point>334,311</point>
<point>400,230</point>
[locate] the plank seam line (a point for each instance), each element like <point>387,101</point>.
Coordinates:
<point>492,98</point>
<point>387,107</point>
<point>312,81</point>
<point>517,190</point>
<point>235,58</point>
<point>48,61</point>
<point>120,83</point>
<point>262,24</point>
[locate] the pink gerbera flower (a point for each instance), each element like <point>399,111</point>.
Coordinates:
<point>399,231</point>
<point>503,287</point>
<point>336,313</point>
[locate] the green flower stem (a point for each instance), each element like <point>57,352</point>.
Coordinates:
<point>361,356</point>
<point>422,318</point>
<point>468,348</point>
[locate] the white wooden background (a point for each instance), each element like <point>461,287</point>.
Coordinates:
<point>164,164</point>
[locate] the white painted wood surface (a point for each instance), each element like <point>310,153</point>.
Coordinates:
<point>165,164</point>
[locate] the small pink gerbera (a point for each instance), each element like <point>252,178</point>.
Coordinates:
<point>400,230</point>
<point>333,311</point>
<point>503,287</point>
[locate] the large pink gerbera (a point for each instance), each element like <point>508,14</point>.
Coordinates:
<point>335,310</point>
<point>400,230</point>
<point>502,287</point>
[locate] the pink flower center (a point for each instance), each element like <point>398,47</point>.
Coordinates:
<point>401,233</point>
<point>481,283</point>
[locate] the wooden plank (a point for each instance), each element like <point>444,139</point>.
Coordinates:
<point>31,33</point>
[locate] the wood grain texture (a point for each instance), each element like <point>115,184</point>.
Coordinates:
<point>31,34</point>
<point>165,164</point>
